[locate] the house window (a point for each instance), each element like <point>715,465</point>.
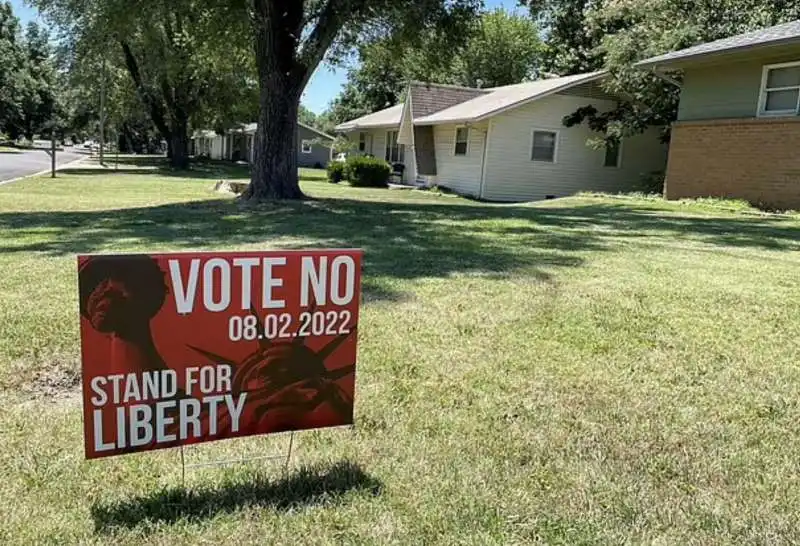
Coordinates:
<point>395,153</point>
<point>613,151</point>
<point>780,90</point>
<point>544,146</point>
<point>307,146</point>
<point>462,140</point>
<point>362,143</point>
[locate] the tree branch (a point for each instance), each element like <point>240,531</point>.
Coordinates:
<point>156,108</point>
<point>330,21</point>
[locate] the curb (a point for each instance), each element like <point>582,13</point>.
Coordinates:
<point>46,171</point>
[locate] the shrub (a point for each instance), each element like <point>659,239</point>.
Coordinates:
<point>335,172</point>
<point>367,172</point>
<point>651,183</point>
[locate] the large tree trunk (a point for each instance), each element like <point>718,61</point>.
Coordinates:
<point>178,144</point>
<point>274,172</point>
<point>281,82</point>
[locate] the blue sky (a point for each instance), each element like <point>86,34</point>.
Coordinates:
<point>324,85</point>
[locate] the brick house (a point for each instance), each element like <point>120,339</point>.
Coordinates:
<point>738,129</point>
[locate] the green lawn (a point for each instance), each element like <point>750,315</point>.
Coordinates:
<point>591,370</point>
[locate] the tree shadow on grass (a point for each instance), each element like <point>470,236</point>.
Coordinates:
<point>402,239</point>
<point>626,220</point>
<point>158,166</point>
<point>305,487</point>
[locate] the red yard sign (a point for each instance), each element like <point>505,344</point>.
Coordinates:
<point>195,347</point>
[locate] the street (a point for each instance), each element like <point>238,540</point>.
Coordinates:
<point>25,162</point>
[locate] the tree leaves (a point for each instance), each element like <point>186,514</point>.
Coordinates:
<point>585,35</point>
<point>499,49</point>
<point>28,78</point>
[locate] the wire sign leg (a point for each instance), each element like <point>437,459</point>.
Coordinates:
<point>183,471</point>
<point>289,453</point>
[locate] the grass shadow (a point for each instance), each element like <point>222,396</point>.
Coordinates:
<point>158,166</point>
<point>628,220</point>
<point>401,240</point>
<point>307,486</point>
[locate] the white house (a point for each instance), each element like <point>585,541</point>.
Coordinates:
<point>313,146</point>
<point>506,143</point>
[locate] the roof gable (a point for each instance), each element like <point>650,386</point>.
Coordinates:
<point>427,99</point>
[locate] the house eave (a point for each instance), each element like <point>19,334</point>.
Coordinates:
<point>314,130</point>
<point>351,128</point>
<point>599,76</point>
<point>677,63</point>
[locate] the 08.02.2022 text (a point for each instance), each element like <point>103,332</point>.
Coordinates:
<point>318,323</point>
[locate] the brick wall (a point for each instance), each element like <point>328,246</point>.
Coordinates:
<point>753,159</point>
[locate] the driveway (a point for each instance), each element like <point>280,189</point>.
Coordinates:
<point>26,162</point>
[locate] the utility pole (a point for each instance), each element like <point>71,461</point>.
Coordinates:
<point>102,109</point>
<point>53,151</point>
<point>116,150</point>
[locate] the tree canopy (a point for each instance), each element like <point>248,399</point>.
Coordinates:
<point>585,35</point>
<point>185,59</point>
<point>28,77</point>
<point>500,49</point>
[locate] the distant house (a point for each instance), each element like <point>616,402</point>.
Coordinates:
<point>506,143</point>
<point>738,129</point>
<point>313,146</point>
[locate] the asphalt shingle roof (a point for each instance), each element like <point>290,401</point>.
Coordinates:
<point>388,117</point>
<point>501,98</point>
<point>779,34</point>
<point>427,99</point>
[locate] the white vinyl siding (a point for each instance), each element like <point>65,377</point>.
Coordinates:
<point>459,173</point>
<point>218,147</point>
<point>512,176</point>
<point>780,90</point>
<point>375,139</point>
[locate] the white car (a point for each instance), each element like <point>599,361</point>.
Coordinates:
<point>88,144</point>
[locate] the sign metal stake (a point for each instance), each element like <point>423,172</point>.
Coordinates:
<point>183,471</point>
<point>289,453</point>
<point>286,460</point>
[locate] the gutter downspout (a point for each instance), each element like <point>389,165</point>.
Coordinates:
<point>483,159</point>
